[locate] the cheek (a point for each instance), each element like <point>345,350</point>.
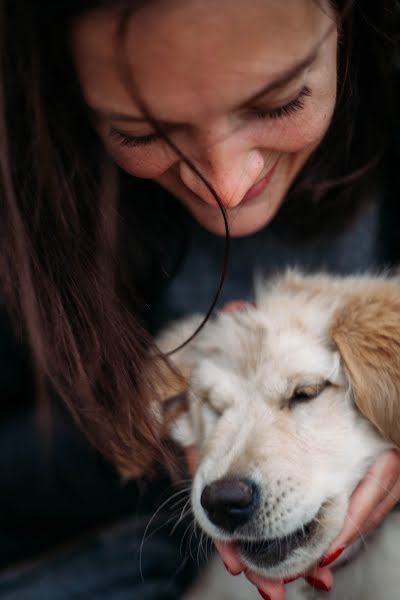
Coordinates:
<point>209,422</point>
<point>301,133</point>
<point>325,426</point>
<point>304,130</point>
<point>147,162</point>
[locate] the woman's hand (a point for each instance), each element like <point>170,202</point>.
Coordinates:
<point>373,499</point>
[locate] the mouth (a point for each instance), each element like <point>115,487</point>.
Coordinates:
<point>270,552</point>
<point>260,186</point>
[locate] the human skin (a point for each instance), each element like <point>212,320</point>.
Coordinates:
<point>196,66</point>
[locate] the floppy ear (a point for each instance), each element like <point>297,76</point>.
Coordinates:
<point>175,379</point>
<point>169,385</point>
<point>174,411</point>
<point>367,333</point>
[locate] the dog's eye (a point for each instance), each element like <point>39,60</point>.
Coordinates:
<point>302,397</point>
<point>305,394</point>
<point>210,402</point>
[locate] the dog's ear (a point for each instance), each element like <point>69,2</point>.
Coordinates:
<point>176,379</point>
<point>366,332</point>
<point>174,411</point>
<point>170,380</point>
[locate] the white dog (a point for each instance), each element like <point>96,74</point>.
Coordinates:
<point>289,402</point>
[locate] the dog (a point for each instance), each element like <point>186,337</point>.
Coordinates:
<point>289,402</point>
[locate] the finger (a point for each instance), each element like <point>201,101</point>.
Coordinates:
<point>192,459</point>
<point>375,487</point>
<point>320,579</point>
<point>239,305</point>
<point>269,590</point>
<point>229,554</point>
<point>381,511</point>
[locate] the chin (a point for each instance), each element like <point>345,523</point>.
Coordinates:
<point>235,231</point>
<point>242,221</point>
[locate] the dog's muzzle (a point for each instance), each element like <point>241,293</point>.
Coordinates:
<point>231,504</point>
<point>271,552</point>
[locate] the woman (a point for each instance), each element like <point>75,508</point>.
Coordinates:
<point>273,120</point>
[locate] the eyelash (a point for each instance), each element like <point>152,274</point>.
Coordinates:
<point>131,141</point>
<point>302,396</point>
<point>286,110</point>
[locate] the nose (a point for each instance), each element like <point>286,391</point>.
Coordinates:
<point>230,503</point>
<point>230,172</point>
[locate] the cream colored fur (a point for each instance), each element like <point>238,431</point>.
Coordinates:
<point>313,335</point>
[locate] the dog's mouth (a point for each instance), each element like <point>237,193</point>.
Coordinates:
<point>271,552</point>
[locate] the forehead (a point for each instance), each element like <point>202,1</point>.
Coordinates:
<point>186,53</point>
<point>274,352</point>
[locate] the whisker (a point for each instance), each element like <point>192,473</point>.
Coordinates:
<point>184,534</point>
<point>184,514</point>
<point>151,520</point>
<point>190,543</point>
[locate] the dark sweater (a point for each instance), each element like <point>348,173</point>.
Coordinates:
<point>367,243</point>
<point>74,489</point>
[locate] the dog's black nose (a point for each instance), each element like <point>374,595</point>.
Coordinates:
<point>230,502</point>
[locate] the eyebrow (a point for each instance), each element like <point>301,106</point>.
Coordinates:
<point>284,78</point>
<point>279,82</point>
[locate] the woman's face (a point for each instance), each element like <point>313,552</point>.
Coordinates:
<point>245,89</point>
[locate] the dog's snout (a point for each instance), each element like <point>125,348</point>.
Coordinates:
<point>230,503</point>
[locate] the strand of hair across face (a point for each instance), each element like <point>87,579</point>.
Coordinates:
<point>128,79</point>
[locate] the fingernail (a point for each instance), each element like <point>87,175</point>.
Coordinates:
<point>332,557</point>
<point>230,571</point>
<point>264,595</point>
<point>317,584</point>
<point>290,579</point>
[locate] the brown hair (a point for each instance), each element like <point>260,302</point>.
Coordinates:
<point>78,293</point>
<point>365,124</point>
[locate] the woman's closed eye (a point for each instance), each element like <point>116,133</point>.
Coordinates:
<point>132,141</point>
<point>285,110</point>
<point>279,112</point>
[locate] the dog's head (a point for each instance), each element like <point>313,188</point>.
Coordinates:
<point>274,400</point>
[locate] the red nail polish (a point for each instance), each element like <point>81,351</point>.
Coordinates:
<point>230,572</point>
<point>332,557</point>
<point>317,584</point>
<point>264,595</point>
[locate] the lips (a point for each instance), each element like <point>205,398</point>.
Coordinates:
<point>271,552</point>
<point>260,186</point>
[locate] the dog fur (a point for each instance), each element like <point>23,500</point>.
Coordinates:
<point>299,394</point>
